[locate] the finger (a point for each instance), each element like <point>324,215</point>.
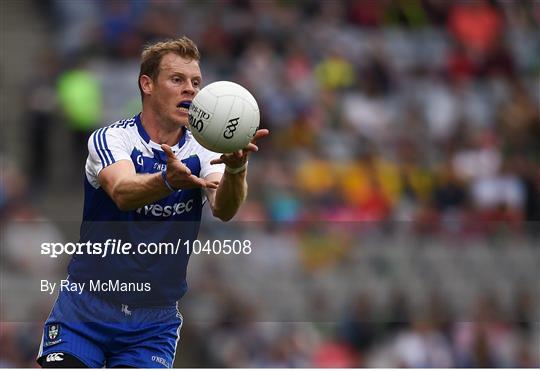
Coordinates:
<point>216,161</point>
<point>211,185</point>
<point>219,160</point>
<point>168,150</point>
<point>194,182</point>
<point>261,133</point>
<point>180,168</point>
<point>186,169</point>
<point>251,148</point>
<point>199,182</point>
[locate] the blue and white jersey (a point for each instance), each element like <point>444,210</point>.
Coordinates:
<point>173,218</point>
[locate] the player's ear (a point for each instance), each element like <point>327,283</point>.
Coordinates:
<point>146,84</point>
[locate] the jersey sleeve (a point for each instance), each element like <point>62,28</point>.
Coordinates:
<point>105,147</point>
<point>206,168</point>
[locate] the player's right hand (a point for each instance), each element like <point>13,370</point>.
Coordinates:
<point>179,176</point>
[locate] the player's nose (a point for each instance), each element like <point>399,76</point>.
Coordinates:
<point>188,88</point>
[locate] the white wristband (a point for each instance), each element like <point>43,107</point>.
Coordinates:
<point>236,170</point>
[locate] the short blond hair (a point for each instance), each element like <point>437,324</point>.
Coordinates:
<point>152,55</point>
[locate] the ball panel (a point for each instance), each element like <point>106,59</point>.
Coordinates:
<point>223,88</point>
<point>223,111</point>
<point>231,137</point>
<point>255,122</point>
<point>200,115</point>
<point>252,120</point>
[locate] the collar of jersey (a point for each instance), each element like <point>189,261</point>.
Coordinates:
<point>144,135</point>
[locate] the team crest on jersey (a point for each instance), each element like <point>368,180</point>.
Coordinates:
<point>53,331</point>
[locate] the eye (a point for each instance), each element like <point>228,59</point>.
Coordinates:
<point>176,79</point>
<point>196,83</point>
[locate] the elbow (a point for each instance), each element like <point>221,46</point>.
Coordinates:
<point>120,201</point>
<point>123,207</point>
<point>224,217</point>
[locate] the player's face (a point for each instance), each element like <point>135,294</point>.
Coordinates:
<point>178,82</point>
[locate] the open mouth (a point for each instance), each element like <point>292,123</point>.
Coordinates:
<point>184,105</point>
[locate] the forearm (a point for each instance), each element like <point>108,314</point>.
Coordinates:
<point>139,190</point>
<point>231,193</point>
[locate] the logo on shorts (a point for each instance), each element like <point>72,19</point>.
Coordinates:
<point>54,357</point>
<point>161,360</point>
<point>53,331</point>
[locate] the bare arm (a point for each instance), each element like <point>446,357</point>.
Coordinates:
<point>232,190</point>
<point>130,190</point>
<point>230,194</point>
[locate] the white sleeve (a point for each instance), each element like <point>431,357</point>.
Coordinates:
<point>205,156</point>
<point>105,147</point>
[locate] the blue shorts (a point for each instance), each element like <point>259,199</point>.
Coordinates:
<point>100,333</point>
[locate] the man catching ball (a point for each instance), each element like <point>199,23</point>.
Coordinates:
<point>147,179</point>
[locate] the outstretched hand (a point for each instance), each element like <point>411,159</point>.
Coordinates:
<point>239,158</point>
<point>179,176</point>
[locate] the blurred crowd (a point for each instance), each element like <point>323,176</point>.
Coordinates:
<point>420,115</point>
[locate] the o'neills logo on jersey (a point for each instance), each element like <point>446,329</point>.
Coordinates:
<point>166,211</point>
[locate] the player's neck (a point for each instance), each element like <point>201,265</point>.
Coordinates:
<point>158,132</point>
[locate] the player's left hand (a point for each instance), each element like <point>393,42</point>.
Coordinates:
<point>239,158</point>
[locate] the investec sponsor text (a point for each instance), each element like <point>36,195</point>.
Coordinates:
<point>166,211</point>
